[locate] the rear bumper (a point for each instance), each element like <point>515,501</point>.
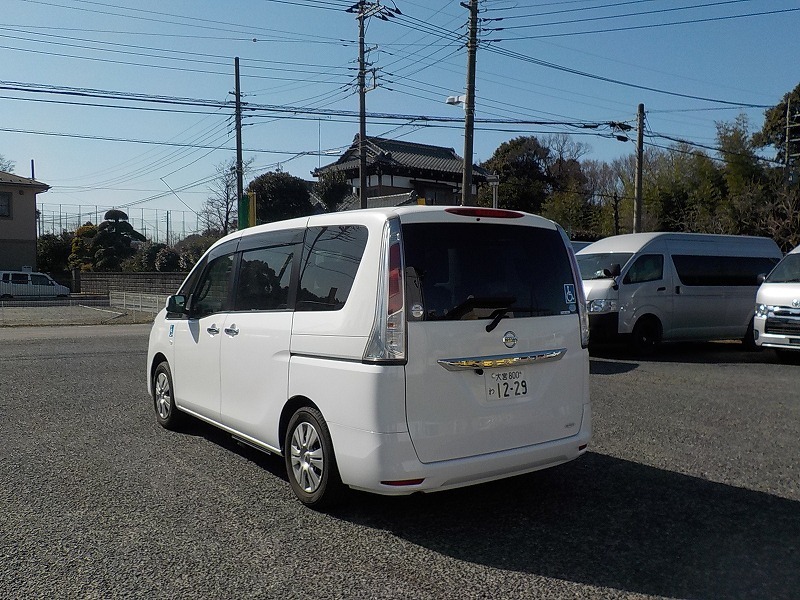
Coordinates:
<point>366,459</point>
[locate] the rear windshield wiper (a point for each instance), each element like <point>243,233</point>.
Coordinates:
<point>471,303</point>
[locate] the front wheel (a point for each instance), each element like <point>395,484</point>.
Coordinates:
<point>646,335</point>
<point>310,463</point>
<point>167,415</point>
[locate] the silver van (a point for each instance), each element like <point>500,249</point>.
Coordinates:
<point>396,350</point>
<point>777,319</point>
<point>15,284</point>
<point>649,287</point>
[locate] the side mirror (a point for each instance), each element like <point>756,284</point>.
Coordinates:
<point>615,270</point>
<point>176,305</point>
<point>761,278</point>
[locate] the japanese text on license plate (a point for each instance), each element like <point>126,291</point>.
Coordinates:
<point>505,384</point>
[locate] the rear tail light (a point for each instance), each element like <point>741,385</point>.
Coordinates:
<point>387,341</point>
<point>583,309</point>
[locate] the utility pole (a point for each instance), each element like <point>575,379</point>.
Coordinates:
<point>469,106</point>
<point>363,10</point>
<point>239,174</point>
<point>637,200</point>
<point>362,109</point>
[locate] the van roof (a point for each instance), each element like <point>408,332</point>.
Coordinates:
<point>633,242</point>
<point>364,215</point>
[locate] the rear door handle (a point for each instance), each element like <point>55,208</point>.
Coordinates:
<point>661,289</point>
<point>232,330</point>
<point>677,289</point>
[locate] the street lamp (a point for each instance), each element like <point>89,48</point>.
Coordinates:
<point>494,181</point>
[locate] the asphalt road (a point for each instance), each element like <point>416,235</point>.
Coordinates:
<point>691,490</point>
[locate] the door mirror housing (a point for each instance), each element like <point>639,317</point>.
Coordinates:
<point>761,278</point>
<point>177,305</point>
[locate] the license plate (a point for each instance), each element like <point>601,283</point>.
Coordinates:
<point>501,385</point>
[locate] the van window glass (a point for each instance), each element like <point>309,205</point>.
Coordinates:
<point>40,279</point>
<point>6,277</point>
<point>211,294</point>
<point>331,256</point>
<point>787,271</point>
<point>721,270</point>
<point>648,267</point>
<point>592,266</point>
<point>189,283</point>
<point>472,270</point>
<point>19,278</point>
<point>263,281</point>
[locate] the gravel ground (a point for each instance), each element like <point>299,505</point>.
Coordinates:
<point>32,316</point>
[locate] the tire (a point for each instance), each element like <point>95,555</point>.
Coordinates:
<point>749,340</point>
<point>646,336</point>
<point>167,415</point>
<point>310,462</point>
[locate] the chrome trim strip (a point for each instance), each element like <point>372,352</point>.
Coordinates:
<point>501,361</point>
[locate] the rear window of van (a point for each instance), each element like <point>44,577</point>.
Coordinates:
<point>472,270</point>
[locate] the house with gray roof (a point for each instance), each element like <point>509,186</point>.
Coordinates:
<point>18,221</point>
<point>405,172</point>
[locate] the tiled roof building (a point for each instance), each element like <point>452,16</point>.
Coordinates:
<point>396,167</point>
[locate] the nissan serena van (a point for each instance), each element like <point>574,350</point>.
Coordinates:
<point>395,350</point>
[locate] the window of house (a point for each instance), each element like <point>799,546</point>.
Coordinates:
<point>5,204</point>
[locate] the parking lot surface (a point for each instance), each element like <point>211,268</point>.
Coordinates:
<point>690,490</point>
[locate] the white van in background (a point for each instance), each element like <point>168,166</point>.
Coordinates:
<point>14,284</point>
<point>651,287</point>
<point>777,320</point>
<point>397,350</point>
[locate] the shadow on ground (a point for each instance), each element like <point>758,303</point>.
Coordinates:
<point>612,523</point>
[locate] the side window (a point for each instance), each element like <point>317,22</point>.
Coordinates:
<point>331,256</point>
<point>40,280</point>
<point>648,267</point>
<point>264,275</point>
<point>211,294</point>
<point>19,278</point>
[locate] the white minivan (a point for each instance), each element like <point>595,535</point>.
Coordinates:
<point>392,350</point>
<point>14,284</point>
<point>777,320</point>
<point>648,287</point>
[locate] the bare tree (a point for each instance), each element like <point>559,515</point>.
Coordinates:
<point>220,210</point>
<point>6,164</point>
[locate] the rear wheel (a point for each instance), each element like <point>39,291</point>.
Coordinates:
<point>167,415</point>
<point>646,335</point>
<point>310,463</point>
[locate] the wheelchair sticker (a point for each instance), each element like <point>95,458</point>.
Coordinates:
<point>569,293</point>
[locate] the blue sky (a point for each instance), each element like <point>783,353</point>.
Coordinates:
<point>691,62</point>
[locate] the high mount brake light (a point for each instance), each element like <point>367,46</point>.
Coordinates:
<point>487,213</point>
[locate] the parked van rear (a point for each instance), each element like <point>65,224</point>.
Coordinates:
<point>390,350</point>
<point>649,287</point>
<point>15,284</point>
<point>777,320</point>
